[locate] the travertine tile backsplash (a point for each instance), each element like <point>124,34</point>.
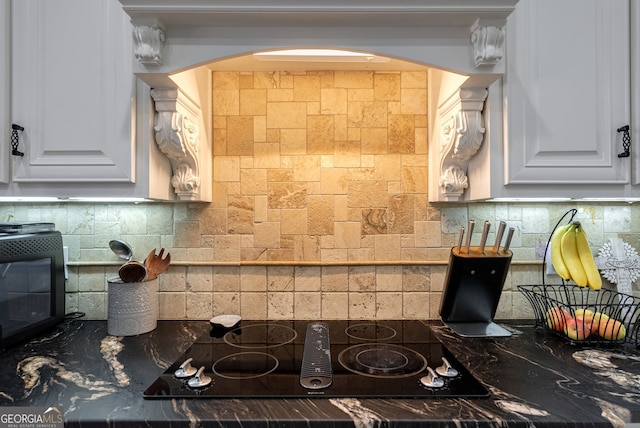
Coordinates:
<point>198,286</point>
<point>320,211</point>
<point>320,166</point>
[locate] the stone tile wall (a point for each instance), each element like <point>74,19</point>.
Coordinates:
<point>319,166</point>
<point>197,286</point>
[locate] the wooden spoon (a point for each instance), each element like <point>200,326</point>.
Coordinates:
<point>155,264</point>
<point>147,261</point>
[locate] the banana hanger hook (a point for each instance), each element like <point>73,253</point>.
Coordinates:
<point>572,212</point>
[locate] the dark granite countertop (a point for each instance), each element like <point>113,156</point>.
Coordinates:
<point>535,379</point>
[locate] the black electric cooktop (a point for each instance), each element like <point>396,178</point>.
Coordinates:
<point>328,359</point>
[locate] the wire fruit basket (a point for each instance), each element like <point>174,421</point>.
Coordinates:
<point>584,316</point>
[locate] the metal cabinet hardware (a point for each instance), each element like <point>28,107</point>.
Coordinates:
<point>626,141</point>
<point>15,139</point>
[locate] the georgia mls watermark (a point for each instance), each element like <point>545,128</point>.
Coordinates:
<point>31,417</point>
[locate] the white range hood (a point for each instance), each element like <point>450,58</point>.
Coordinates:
<point>462,36</point>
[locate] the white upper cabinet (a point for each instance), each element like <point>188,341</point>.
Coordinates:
<point>550,127</point>
<point>567,91</point>
<point>634,132</point>
<point>90,126</point>
<point>72,91</point>
<point>5,88</point>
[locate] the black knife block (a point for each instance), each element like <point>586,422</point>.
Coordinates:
<point>472,290</point>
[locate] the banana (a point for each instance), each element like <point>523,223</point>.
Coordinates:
<point>594,280</point>
<point>569,249</point>
<point>556,252</point>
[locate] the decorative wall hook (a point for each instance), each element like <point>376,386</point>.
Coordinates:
<point>626,141</point>
<point>15,139</point>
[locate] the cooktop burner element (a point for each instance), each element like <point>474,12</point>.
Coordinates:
<point>260,336</point>
<point>251,364</point>
<point>317,359</point>
<point>371,332</point>
<point>382,360</point>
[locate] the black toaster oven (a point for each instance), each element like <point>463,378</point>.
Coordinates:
<point>32,280</point>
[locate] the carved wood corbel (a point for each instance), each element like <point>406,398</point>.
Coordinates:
<point>488,44</point>
<point>461,135</point>
<point>148,44</point>
<point>178,137</point>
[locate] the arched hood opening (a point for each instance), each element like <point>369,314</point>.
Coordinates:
<point>459,42</point>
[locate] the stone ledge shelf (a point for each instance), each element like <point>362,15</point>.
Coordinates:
<point>304,263</point>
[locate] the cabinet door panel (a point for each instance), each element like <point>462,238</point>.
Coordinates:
<point>5,91</point>
<point>72,82</point>
<point>567,85</point>
<point>635,93</point>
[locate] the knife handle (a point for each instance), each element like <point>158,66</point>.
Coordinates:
<point>508,241</point>
<point>471,225</point>
<point>460,239</point>
<point>499,233</point>
<point>485,233</point>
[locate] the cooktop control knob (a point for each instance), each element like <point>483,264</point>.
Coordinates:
<point>200,380</point>
<point>446,370</point>
<point>432,380</point>
<point>185,370</point>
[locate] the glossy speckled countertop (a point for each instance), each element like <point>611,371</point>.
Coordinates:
<point>535,379</point>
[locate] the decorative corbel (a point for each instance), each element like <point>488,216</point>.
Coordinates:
<point>148,44</point>
<point>488,44</point>
<point>461,135</point>
<point>178,137</point>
